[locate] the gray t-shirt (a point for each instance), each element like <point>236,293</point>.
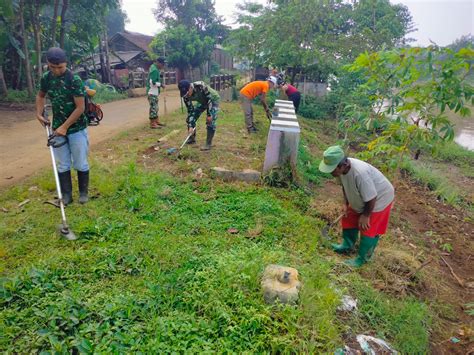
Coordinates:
<point>364,182</point>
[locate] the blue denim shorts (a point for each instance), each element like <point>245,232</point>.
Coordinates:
<point>74,152</point>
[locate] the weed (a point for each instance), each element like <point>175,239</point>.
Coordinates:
<point>308,166</point>
<point>469,308</point>
<point>443,188</point>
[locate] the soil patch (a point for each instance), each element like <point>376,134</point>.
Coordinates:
<point>11,115</point>
<point>423,232</point>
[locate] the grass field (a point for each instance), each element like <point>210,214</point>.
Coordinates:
<point>156,270</point>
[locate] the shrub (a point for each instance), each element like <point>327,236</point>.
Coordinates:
<point>19,96</point>
<point>317,107</point>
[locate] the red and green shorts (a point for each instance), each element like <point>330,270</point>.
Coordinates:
<point>378,221</point>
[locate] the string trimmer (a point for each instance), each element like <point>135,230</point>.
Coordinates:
<point>63,229</point>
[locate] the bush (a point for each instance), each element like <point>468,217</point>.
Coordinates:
<point>18,96</point>
<point>103,96</point>
<point>317,107</point>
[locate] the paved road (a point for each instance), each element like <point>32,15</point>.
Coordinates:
<point>23,148</point>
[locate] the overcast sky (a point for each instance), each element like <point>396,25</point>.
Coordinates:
<point>441,21</point>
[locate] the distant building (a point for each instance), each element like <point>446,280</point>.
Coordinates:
<point>128,52</point>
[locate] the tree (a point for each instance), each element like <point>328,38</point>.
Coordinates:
<point>315,36</point>
<point>199,15</point>
<point>6,39</point>
<point>34,10</point>
<point>192,27</point>
<point>379,24</point>
<point>462,42</point>
<point>246,42</point>
<point>409,92</point>
<point>185,49</point>
<point>62,29</point>
<point>23,34</point>
<point>54,21</point>
<point>116,20</point>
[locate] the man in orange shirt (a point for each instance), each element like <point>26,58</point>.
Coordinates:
<point>250,92</point>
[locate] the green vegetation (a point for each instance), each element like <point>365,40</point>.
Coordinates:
<point>423,173</point>
<point>309,48</point>
<point>103,96</point>
<point>156,270</point>
<point>18,96</point>
<point>452,152</point>
<point>410,91</point>
<point>28,29</point>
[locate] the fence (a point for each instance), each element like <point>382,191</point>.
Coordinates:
<point>137,79</point>
<point>222,82</point>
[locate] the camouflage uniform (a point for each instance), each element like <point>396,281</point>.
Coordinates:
<point>207,100</point>
<point>61,91</point>
<point>154,76</point>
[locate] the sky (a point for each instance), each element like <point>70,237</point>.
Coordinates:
<point>441,21</point>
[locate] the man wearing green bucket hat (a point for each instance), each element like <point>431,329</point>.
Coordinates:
<point>368,197</point>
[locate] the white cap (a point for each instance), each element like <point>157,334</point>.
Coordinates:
<point>273,80</point>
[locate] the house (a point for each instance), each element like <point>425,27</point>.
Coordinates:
<point>130,41</point>
<point>128,53</point>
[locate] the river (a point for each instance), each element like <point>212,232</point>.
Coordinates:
<point>464,128</point>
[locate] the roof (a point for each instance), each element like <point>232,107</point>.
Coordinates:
<point>123,56</point>
<point>114,58</point>
<point>138,39</point>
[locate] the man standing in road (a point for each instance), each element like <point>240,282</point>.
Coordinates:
<point>153,87</point>
<point>66,92</point>
<point>368,197</point>
<point>250,92</point>
<point>207,100</point>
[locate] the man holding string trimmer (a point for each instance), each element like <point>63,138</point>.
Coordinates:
<point>207,99</point>
<point>66,92</point>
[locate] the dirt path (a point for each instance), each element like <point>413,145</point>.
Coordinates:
<point>23,148</point>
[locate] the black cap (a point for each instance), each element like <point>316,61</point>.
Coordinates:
<point>56,55</point>
<point>183,87</point>
<point>161,60</point>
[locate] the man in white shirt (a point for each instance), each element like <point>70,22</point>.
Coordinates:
<point>368,199</point>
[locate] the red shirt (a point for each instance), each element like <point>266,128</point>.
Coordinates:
<point>291,90</point>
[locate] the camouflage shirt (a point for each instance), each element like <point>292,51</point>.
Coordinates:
<point>61,91</point>
<point>204,95</point>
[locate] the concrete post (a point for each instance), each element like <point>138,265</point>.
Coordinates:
<point>283,137</point>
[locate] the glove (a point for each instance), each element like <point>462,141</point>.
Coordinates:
<point>208,120</point>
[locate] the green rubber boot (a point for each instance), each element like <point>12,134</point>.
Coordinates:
<point>349,238</point>
<point>366,250</point>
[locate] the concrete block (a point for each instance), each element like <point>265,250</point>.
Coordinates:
<point>246,175</point>
<point>289,110</point>
<point>282,142</point>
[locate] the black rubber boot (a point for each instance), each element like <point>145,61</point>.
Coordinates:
<point>192,139</point>
<point>210,136</point>
<point>66,186</point>
<point>83,180</point>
